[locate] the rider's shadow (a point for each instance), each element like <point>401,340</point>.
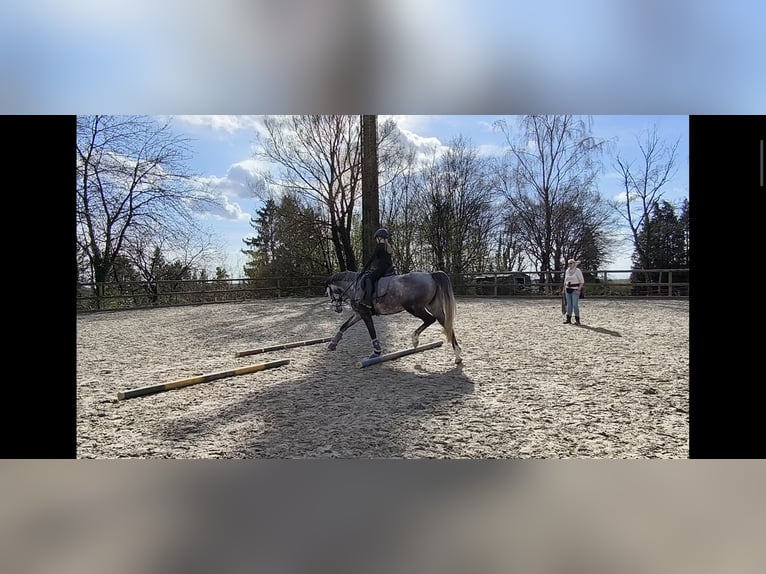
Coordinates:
<point>601,330</point>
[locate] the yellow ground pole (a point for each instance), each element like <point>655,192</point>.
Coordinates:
<point>129,394</point>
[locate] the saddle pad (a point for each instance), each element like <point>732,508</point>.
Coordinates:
<point>383,284</point>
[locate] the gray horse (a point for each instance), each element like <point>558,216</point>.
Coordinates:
<point>427,296</point>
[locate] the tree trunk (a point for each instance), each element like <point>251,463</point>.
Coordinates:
<point>370,201</point>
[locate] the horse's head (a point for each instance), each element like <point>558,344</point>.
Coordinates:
<point>336,293</point>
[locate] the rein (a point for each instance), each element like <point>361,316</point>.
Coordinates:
<point>339,299</point>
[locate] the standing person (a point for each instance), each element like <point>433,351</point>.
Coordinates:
<point>381,264</point>
<point>573,283</point>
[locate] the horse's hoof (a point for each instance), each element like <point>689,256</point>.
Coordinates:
<point>458,361</point>
<point>331,346</point>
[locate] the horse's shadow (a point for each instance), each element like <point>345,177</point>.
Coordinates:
<point>336,410</point>
<point>457,369</point>
<point>330,408</point>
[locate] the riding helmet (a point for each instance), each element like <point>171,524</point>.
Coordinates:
<point>381,233</point>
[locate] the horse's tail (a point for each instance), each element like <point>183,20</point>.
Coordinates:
<point>447,301</point>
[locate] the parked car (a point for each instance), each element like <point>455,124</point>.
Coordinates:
<point>507,283</point>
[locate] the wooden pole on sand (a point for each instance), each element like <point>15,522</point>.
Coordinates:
<point>375,360</point>
<point>129,394</point>
<point>284,346</point>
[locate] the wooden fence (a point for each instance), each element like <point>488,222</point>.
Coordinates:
<point>612,283</point>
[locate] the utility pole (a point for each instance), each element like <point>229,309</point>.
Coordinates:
<point>370,201</point>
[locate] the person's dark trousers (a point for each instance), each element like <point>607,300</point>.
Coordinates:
<point>369,286</point>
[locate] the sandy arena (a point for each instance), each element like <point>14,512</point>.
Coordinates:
<point>529,386</point>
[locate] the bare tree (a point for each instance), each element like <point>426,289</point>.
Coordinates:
<point>549,181</point>
<point>644,187</point>
<point>190,254</point>
<point>509,253</point>
<point>319,157</point>
<point>132,186</point>
<point>399,211</point>
<point>456,213</point>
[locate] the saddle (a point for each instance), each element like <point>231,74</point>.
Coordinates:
<point>381,287</point>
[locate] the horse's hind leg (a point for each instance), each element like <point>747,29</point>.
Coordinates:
<point>456,348</point>
<point>428,320</point>
<point>439,315</point>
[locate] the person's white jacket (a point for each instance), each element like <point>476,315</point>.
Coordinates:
<point>573,275</point>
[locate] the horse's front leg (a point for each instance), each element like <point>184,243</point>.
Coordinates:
<point>373,335</point>
<point>353,320</point>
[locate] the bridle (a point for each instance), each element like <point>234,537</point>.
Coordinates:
<point>336,300</point>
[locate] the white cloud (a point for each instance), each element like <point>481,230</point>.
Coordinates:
<point>242,175</point>
<point>232,189</point>
<point>226,208</point>
<point>421,143</point>
<point>232,211</point>
<point>229,124</point>
<point>412,123</point>
<point>424,146</point>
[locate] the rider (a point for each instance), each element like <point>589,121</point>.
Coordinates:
<point>381,264</point>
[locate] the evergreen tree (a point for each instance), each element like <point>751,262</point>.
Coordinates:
<point>665,241</point>
<point>221,273</point>
<point>289,241</point>
<point>263,244</point>
<point>683,221</point>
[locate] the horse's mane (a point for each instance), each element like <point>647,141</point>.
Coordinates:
<point>343,276</point>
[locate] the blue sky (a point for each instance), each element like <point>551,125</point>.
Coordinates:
<point>223,155</point>
<point>428,56</point>
<point>447,57</point>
